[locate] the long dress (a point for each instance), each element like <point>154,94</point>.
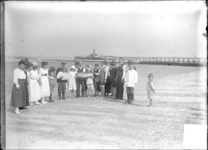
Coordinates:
<point>72,81</point>
<point>19,96</point>
<point>34,86</point>
<point>45,88</point>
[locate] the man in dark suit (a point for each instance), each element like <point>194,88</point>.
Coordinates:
<point>63,64</point>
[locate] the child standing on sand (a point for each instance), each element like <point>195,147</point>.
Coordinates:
<point>62,80</point>
<point>72,82</point>
<point>89,82</point>
<point>52,78</point>
<point>150,88</point>
<point>131,79</point>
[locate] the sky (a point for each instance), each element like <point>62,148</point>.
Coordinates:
<point>139,29</point>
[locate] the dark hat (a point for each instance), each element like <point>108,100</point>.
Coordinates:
<point>113,63</point>
<point>21,62</point>
<point>52,69</point>
<point>44,63</point>
<point>63,62</point>
<point>121,59</point>
<point>76,63</point>
<point>105,62</point>
<point>28,64</point>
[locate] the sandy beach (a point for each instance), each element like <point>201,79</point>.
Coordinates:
<point>91,123</point>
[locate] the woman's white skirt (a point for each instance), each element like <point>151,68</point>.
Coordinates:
<point>34,91</point>
<point>45,88</point>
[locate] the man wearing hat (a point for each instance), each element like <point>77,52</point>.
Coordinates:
<point>113,73</point>
<point>80,81</point>
<point>121,72</point>
<point>104,70</point>
<point>63,64</point>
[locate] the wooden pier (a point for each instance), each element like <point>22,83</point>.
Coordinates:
<point>184,61</point>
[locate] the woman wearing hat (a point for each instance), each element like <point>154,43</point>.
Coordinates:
<point>45,89</point>
<point>18,97</point>
<point>34,85</point>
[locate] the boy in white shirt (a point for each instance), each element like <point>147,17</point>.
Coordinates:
<point>131,79</point>
<point>62,80</point>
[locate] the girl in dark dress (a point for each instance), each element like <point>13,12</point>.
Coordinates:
<point>19,91</point>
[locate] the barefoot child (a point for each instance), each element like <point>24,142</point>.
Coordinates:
<point>52,78</point>
<point>130,82</point>
<point>62,80</point>
<point>89,82</point>
<point>72,82</point>
<point>150,88</point>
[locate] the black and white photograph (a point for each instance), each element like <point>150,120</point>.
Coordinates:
<point>105,75</point>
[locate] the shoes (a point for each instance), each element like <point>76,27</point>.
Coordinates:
<point>31,104</point>
<point>37,103</point>
<point>21,110</point>
<point>51,100</point>
<point>17,112</point>
<point>44,102</point>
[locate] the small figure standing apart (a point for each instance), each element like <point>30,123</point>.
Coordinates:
<point>45,89</point>
<point>89,82</point>
<point>62,78</point>
<point>150,88</point>
<point>131,79</point>
<point>34,86</point>
<point>52,78</point>
<point>96,73</point>
<point>72,82</point>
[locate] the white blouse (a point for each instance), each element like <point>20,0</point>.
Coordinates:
<point>131,78</point>
<point>43,71</point>
<point>34,75</point>
<point>64,75</point>
<point>18,74</point>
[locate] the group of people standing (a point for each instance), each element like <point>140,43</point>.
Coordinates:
<point>32,86</point>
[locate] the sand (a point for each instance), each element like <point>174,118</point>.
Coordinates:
<point>91,123</point>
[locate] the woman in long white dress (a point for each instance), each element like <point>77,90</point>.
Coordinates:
<point>34,86</point>
<point>45,88</point>
<point>72,82</point>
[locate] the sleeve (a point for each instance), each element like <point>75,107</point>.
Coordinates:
<point>40,72</point>
<point>124,71</point>
<point>59,75</point>
<point>106,72</point>
<point>136,77</point>
<point>125,78</point>
<point>84,70</point>
<point>152,86</point>
<point>15,79</point>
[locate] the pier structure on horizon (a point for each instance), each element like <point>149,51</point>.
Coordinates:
<point>162,60</point>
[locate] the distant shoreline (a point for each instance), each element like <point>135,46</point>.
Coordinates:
<point>140,63</point>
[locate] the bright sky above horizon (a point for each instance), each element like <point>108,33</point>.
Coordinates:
<point>142,29</point>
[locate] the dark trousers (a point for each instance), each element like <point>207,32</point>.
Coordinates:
<point>119,89</point>
<point>80,82</point>
<point>108,86</point>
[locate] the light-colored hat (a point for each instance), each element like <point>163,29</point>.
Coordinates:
<point>72,67</point>
<point>34,63</point>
